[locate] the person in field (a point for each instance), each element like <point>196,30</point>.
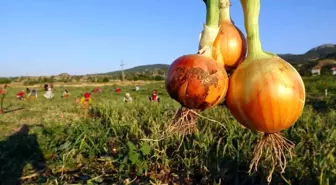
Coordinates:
<point>3,89</point>
<point>20,95</point>
<point>118,90</point>
<point>66,94</point>
<point>154,97</point>
<point>3,94</point>
<point>98,89</point>
<point>128,98</point>
<point>46,87</point>
<point>94,90</point>
<point>33,94</point>
<point>86,99</point>
<point>49,93</point>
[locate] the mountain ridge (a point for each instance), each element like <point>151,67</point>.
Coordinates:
<point>319,56</point>
<point>321,52</point>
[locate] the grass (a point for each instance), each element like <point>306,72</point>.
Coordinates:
<point>120,143</point>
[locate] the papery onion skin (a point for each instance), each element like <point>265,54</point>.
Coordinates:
<point>196,81</point>
<point>266,95</point>
<point>229,47</point>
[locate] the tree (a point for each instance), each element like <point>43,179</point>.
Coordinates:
<point>105,79</point>
<point>5,81</point>
<point>91,79</point>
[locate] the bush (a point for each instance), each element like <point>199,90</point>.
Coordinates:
<point>158,78</point>
<point>31,82</point>
<point>91,79</point>
<point>5,81</point>
<point>105,79</point>
<point>102,80</point>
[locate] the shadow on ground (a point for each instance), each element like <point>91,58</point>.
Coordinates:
<point>18,150</point>
<point>12,110</point>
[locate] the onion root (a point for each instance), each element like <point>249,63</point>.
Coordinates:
<point>275,145</point>
<point>184,122</point>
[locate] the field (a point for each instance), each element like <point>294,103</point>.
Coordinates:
<point>122,143</point>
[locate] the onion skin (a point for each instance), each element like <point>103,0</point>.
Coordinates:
<point>266,95</point>
<point>196,81</point>
<point>229,47</point>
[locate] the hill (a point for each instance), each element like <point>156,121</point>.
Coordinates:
<point>315,57</point>
<point>325,51</point>
<point>322,57</point>
<point>143,72</point>
<point>141,69</point>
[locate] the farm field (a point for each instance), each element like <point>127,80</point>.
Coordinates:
<point>117,143</point>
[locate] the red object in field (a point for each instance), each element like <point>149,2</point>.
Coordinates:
<point>2,91</point>
<point>87,95</point>
<point>118,90</point>
<point>154,96</point>
<point>20,94</point>
<point>97,89</point>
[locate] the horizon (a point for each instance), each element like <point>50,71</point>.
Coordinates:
<point>100,73</point>
<point>40,38</point>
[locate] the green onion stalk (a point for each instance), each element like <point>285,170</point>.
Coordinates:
<point>210,28</point>
<point>224,11</point>
<point>251,10</point>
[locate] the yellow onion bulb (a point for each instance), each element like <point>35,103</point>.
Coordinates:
<point>266,95</point>
<point>229,47</point>
<point>196,81</point>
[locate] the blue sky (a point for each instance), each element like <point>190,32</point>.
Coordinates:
<point>48,37</point>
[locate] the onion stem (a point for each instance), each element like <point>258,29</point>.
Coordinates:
<point>251,10</point>
<point>211,27</point>
<point>224,10</point>
<point>212,15</point>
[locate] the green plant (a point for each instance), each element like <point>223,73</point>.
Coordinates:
<point>5,81</point>
<point>94,149</point>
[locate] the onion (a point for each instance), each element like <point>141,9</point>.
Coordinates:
<point>229,47</point>
<point>266,94</point>
<point>196,81</point>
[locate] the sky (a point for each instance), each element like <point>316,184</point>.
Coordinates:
<point>49,37</point>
